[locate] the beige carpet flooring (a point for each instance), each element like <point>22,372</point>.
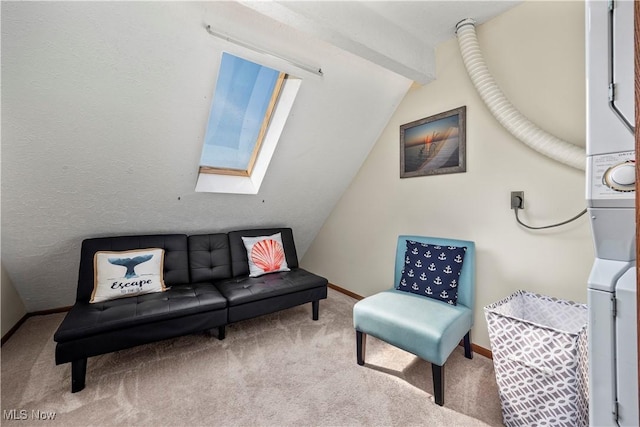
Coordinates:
<point>277,370</point>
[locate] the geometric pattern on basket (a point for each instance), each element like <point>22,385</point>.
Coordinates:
<point>432,271</point>
<point>541,365</point>
<point>583,377</point>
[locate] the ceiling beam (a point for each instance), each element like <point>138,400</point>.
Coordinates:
<point>370,36</point>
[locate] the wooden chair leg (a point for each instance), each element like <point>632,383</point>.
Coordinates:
<point>78,374</point>
<point>438,383</point>
<point>361,344</point>
<point>315,306</point>
<point>468,353</point>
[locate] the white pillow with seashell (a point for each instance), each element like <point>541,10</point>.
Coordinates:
<point>265,254</point>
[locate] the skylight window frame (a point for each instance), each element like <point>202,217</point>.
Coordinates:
<point>250,185</point>
<point>273,102</point>
<point>230,184</point>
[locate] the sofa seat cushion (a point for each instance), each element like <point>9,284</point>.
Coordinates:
<point>242,290</point>
<point>86,319</point>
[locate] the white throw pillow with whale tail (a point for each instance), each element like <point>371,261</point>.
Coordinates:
<point>127,273</point>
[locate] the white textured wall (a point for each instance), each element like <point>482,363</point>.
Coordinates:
<point>104,108</point>
<point>536,53</point>
<point>12,307</point>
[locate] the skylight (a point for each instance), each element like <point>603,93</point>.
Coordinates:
<point>250,105</point>
<point>244,99</point>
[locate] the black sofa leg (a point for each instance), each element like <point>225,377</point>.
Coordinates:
<point>218,332</point>
<point>468,353</point>
<point>361,345</point>
<point>315,306</point>
<point>438,383</point>
<point>78,373</point>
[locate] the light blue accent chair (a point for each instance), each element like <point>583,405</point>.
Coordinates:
<point>423,326</point>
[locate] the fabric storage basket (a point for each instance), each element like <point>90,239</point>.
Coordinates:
<point>539,346</point>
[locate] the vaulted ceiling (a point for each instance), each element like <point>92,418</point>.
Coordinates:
<point>104,109</point>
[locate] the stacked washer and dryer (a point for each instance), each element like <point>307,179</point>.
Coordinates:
<point>613,356</point>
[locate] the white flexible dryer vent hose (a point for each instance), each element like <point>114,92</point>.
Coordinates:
<point>508,116</point>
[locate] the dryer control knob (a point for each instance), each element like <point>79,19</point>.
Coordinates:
<point>621,177</point>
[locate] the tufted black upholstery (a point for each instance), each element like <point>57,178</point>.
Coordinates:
<point>249,297</point>
<point>87,319</point>
<point>209,257</point>
<point>176,257</point>
<point>248,289</point>
<point>239,260</point>
<point>209,287</point>
<point>78,350</point>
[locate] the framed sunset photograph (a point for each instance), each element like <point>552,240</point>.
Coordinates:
<point>434,145</point>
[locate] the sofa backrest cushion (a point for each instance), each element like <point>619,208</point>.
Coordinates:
<point>209,257</point>
<point>176,257</point>
<point>239,260</point>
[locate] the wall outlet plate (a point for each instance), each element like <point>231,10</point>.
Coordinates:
<point>517,199</point>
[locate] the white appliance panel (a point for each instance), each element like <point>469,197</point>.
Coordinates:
<point>610,191</point>
<point>614,233</point>
<point>602,387</point>
<point>623,51</point>
<point>627,348</point>
<point>605,131</point>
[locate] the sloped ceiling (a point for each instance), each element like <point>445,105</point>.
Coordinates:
<point>104,107</point>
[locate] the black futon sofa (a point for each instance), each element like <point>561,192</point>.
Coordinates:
<point>208,283</point>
